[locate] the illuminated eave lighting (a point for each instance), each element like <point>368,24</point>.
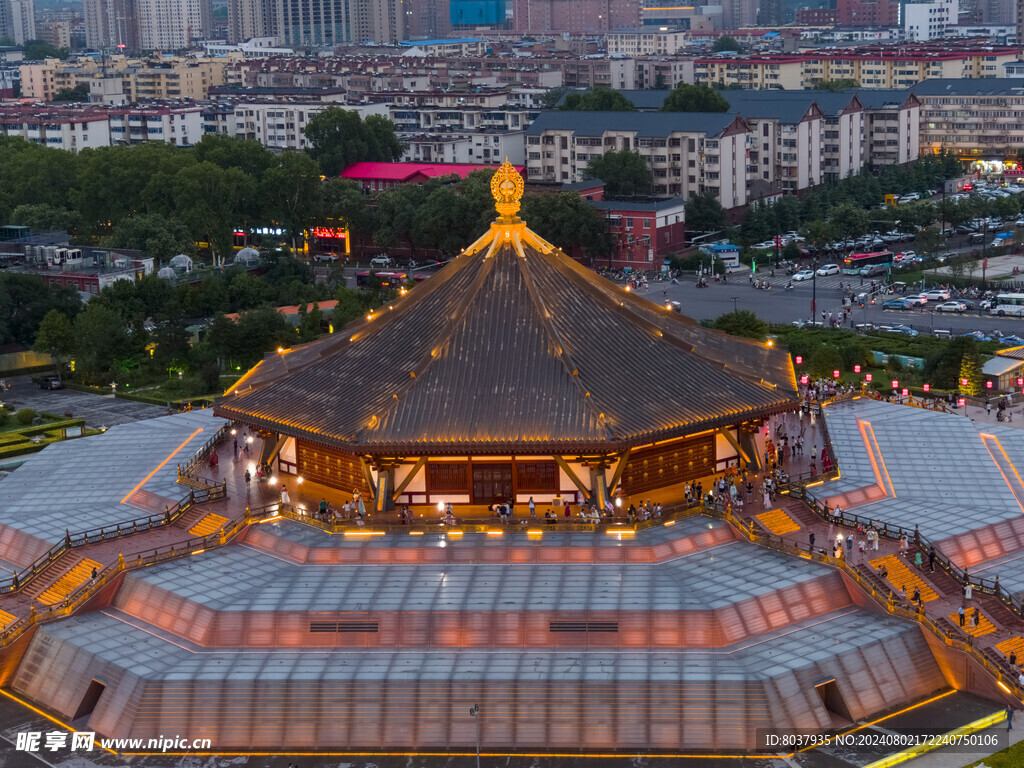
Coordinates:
<point>364,533</point>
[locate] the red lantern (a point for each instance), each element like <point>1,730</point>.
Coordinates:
<point>905,392</point>
<point>835,374</point>
<point>1020,382</point>
<point>988,385</point>
<point>963,382</point>
<point>799,360</point>
<point>895,383</point>
<point>803,379</point>
<point>856,369</point>
<point>927,387</point>
<point>867,377</point>
<point>962,402</point>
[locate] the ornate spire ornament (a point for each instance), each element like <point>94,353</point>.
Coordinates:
<point>507,188</point>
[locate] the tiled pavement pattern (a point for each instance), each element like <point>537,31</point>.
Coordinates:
<point>85,480</point>
<point>69,582</point>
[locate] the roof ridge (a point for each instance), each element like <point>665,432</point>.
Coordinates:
<point>456,317</point>
<point>564,357</point>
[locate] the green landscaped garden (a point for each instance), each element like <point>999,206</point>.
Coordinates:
<point>1011,757</point>
<point>19,434</point>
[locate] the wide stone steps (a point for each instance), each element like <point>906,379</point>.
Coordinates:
<point>69,582</point>
<point>211,523</point>
<point>902,575</point>
<point>777,522</point>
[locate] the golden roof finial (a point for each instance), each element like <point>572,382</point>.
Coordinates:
<point>507,188</point>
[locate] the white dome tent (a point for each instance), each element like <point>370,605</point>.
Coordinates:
<point>247,257</point>
<point>167,273</point>
<point>182,263</point>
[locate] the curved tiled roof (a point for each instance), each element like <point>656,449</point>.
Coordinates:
<point>513,346</point>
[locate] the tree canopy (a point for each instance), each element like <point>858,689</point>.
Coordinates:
<point>600,98</point>
<point>726,43</point>
<point>338,137</point>
<point>694,98</point>
<point>623,173</point>
<point>705,214</point>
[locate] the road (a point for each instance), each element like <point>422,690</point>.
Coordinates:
<point>782,306</point>
<point>97,410</point>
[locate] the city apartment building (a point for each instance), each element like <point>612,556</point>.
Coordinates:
<point>975,119</point>
<point>181,126</point>
<point>170,25</point>
<point>892,126</point>
<point>120,81</point>
<point>644,231</point>
<point>667,72</point>
<point>884,67</point>
<point>17,20</point>
<point>277,125</point>
<point>785,146</point>
<point>930,20</point>
<point>756,72</point>
<point>868,13</point>
<point>646,42</point>
<point>486,146</point>
<point>579,16</point>
<point>68,128</point>
<point>689,153</point>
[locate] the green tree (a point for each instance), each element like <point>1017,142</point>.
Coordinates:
<point>256,332</point>
<point>742,323</point>
<point>248,292</point>
<point>825,359</point>
<point>694,98</point>
<point>43,216</point>
<point>351,305</point>
<point>208,200</point>
<point>248,155</point>
<point>600,98</point>
<point>568,221</point>
<point>152,233</point>
<point>24,302</point>
<point>818,233</point>
<point>310,322</point>
<point>725,43</point>
<point>551,97</point>
<point>705,214</point>
<point>835,86</point>
<point>623,173</point>
<point>37,50</point>
<point>338,137</point>
<point>79,93</point>
<point>101,340</point>
<point>850,220</point>
<point>292,193</point>
<point>55,338</point>
<point>970,370</point>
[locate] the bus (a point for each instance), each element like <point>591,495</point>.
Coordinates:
<point>855,262</point>
<point>1008,304</point>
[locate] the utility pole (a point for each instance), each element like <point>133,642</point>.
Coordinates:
<point>474,712</point>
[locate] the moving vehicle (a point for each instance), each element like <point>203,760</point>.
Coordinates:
<point>917,299</point>
<point>897,304</point>
<point>1008,304</point>
<point>937,294</point>
<point>874,269</point>
<point>950,306</point>
<point>326,257</point>
<point>380,261</point>
<point>856,262</point>
<point>904,329</point>
<point>828,269</point>
<point>803,274</point>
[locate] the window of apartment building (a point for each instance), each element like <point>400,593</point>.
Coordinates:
<point>629,223</point>
<point>764,130</point>
<point>647,223</point>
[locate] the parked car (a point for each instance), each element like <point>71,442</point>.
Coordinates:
<point>950,306</point>
<point>897,304</point>
<point>326,257</point>
<point>904,329</point>
<point>380,261</point>
<point>803,274</point>
<point>828,269</point>
<point>909,254</point>
<point>51,382</point>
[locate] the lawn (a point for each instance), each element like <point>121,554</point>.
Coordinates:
<point>1011,757</point>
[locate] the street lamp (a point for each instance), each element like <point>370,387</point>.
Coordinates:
<point>474,712</point>
<point>735,300</point>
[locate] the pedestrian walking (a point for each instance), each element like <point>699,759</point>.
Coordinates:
<point>931,560</point>
<point>975,617</point>
<point>285,498</point>
<point>810,537</point>
<point>248,478</point>
<point>968,591</point>
<point>533,507</point>
<point>962,615</point>
<point>917,596</point>
<point>1009,717</point>
<point>849,543</point>
<point>917,560</point>
<point>1012,659</point>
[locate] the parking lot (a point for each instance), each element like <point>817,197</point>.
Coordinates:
<point>97,410</point>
